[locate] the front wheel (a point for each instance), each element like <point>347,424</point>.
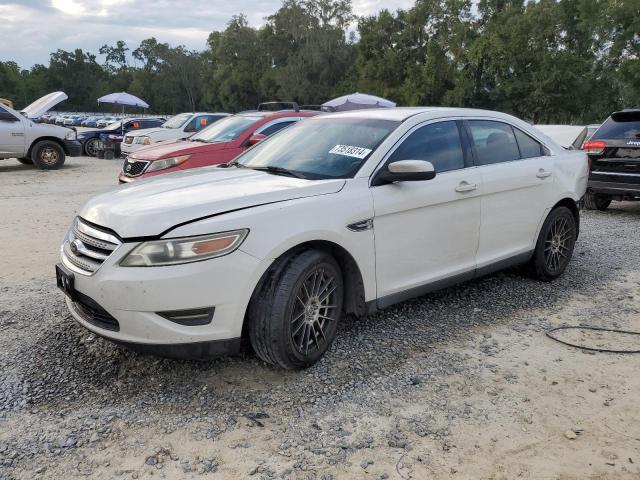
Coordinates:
<point>90,147</point>
<point>47,155</point>
<point>596,202</point>
<point>555,245</point>
<point>293,317</point>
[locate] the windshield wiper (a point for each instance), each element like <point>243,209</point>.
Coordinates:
<point>280,171</point>
<point>198,140</point>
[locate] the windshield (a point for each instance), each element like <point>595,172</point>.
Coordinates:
<point>226,129</point>
<point>177,121</point>
<point>320,148</point>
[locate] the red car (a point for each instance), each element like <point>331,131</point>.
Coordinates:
<point>219,143</point>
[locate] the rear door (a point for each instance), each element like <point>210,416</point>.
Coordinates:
<point>12,143</point>
<point>517,178</point>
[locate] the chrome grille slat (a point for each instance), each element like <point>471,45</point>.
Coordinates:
<point>94,242</point>
<point>87,247</point>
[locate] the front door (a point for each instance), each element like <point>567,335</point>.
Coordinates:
<point>427,231</point>
<point>11,135</point>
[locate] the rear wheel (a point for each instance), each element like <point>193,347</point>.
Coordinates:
<point>294,316</point>
<point>555,245</point>
<point>596,202</point>
<point>47,155</point>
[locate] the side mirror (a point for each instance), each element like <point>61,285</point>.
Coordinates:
<point>256,138</point>
<point>189,129</point>
<point>406,171</point>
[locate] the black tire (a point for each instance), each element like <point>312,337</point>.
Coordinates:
<point>47,155</point>
<point>555,245</point>
<point>278,318</point>
<point>90,147</point>
<point>25,161</point>
<point>109,155</point>
<point>596,202</point>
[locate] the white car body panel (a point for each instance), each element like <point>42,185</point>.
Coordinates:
<point>424,232</point>
<point>44,104</point>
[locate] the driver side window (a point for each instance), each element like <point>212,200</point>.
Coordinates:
<point>438,143</point>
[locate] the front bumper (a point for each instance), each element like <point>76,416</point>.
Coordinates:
<point>73,148</point>
<point>132,296</point>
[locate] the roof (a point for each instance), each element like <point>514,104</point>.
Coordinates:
<point>267,113</point>
<point>400,114</point>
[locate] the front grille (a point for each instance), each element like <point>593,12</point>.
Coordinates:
<point>133,168</point>
<point>87,247</point>
<point>93,313</point>
<point>128,139</point>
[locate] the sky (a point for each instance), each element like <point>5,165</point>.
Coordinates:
<point>31,29</point>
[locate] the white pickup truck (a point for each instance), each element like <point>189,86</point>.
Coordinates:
<point>43,145</point>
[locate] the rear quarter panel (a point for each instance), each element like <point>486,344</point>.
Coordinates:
<point>572,174</point>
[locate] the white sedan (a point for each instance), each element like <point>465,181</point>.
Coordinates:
<point>339,214</point>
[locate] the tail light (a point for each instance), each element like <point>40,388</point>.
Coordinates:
<point>594,146</point>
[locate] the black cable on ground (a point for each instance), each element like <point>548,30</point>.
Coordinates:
<point>593,349</point>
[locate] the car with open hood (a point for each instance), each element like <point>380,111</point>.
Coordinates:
<point>216,144</point>
<point>338,214</point>
<point>40,144</point>
<point>182,125</point>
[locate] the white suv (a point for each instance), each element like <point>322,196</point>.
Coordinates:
<point>339,214</point>
<point>179,126</point>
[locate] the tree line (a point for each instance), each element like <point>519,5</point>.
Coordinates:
<point>566,61</point>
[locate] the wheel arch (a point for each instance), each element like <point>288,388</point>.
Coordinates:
<point>354,295</point>
<point>46,138</point>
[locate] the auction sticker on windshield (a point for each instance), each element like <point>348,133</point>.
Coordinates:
<point>350,151</point>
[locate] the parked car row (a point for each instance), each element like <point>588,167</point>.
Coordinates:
<point>334,215</point>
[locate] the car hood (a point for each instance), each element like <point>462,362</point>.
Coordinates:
<point>44,104</point>
<point>148,131</point>
<point>153,206</point>
<point>177,147</point>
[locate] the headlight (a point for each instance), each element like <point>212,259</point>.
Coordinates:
<point>70,135</point>
<point>144,140</point>
<point>167,163</point>
<point>174,251</point>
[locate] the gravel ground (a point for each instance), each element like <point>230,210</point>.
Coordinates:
<point>458,384</point>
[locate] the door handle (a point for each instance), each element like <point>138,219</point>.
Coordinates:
<point>465,186</point>
<point>542,173</point>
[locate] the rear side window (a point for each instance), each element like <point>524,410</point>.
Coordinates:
<point>529,147</point>
<point>271,129</point>
<point>620,125</point>
<point>494,142</point>
<point>438,143</point>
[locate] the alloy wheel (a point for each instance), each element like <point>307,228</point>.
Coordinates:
<point>49,156</point>
<point>315,308</point>
<point>557,244</point>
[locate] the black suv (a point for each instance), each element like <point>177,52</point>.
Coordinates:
<point>614,160</point>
